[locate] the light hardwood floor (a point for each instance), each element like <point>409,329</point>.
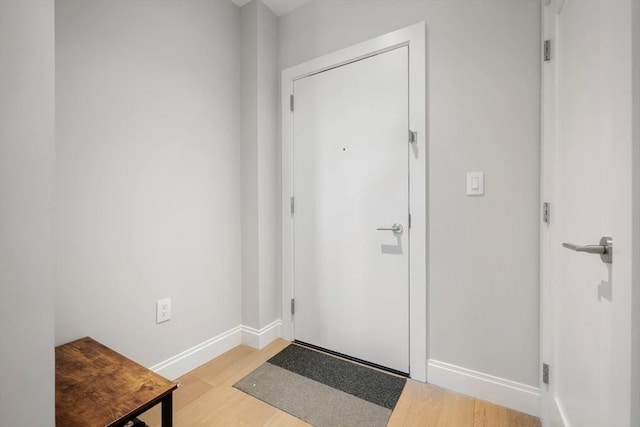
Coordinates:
<point>206,398</point>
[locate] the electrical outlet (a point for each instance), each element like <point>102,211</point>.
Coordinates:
<point>163,310</point>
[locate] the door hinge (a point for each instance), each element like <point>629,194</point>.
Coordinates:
<point>545,373</point>
<point>546,212</point>
<point>293,306</point>
<point>290,102</point>
<point>413,136</point>
<point>547,50</point>
<point>409,220</point>
<point>292,205</point>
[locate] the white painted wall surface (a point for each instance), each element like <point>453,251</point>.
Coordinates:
<point>148,173</point>
<point>250,203</point>
<point>27,154</point>
<point>260,167</point>
<point>483,115</point>
<point>635,224</point>
<point>269,165</point>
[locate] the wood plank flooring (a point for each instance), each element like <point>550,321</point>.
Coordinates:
<point>206,398</point>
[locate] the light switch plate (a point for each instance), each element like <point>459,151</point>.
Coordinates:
<point>475,183</point>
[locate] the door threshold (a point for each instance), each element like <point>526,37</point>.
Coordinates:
<point>353,359</point>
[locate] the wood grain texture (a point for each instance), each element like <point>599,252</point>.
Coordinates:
<point>206,398</point>
<point>95,386</point>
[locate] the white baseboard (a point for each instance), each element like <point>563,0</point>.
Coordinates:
<point>514,395</point>
<point>259,338</point>
<point>561,414</point>
<point>193,357</point>
<point>190,359</point>
<point>551,411</point>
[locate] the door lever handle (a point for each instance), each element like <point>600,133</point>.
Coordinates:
<point>591,249</point>
<point>605,249</point>
<point>396,228</point>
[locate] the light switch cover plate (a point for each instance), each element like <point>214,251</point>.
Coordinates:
<point>475,183</point>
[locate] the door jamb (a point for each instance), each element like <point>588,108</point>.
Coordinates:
<point>413,36</point>
<point>550,412</point>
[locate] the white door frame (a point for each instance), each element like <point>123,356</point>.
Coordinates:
<point>414,37</point>
<point>550,412</point>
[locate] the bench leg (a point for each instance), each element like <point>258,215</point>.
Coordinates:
<point>167,410</point>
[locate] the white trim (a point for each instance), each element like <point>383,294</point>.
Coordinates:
<point>240,3</point>
<point>549,411</point>
<point>514,395</point>
<point>188,360</point>
<point>260,338</point>
<point>560,414</point>
<point>413,36</point>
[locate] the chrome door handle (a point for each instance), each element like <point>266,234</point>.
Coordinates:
<point>396,228</point>
<point>605,249</point>
<point>591,249</point>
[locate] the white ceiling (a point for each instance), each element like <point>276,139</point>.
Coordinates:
<point>278,7</point>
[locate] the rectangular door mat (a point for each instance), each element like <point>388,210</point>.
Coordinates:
<point>323,390</point>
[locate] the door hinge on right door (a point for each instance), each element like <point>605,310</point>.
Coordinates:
<point>293,306</point>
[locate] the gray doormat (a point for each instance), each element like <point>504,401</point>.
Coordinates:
<point>323,390</point>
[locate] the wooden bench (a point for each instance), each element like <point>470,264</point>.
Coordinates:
<point>97,387</point>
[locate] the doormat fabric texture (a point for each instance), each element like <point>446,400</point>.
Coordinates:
<point>323,390</point>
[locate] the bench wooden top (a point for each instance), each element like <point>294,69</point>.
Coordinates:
<point>95,386</point>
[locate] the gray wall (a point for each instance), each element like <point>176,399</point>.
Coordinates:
<point>260,167</point>
<point>483,101</point>
<point>27,155</point>
<point>148,173</point>
<point>269,166</point>
<point>250,212</point>
<point>635,290</point>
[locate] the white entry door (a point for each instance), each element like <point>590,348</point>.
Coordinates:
<point>587,302</point>
<point>351,231</point>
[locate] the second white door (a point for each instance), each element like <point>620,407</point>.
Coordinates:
<point>588,126</point>
<point>351,177</point>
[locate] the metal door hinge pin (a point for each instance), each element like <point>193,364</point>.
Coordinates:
<point>413,136</point>
<point>546,212</point>
<point>547,50</point>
